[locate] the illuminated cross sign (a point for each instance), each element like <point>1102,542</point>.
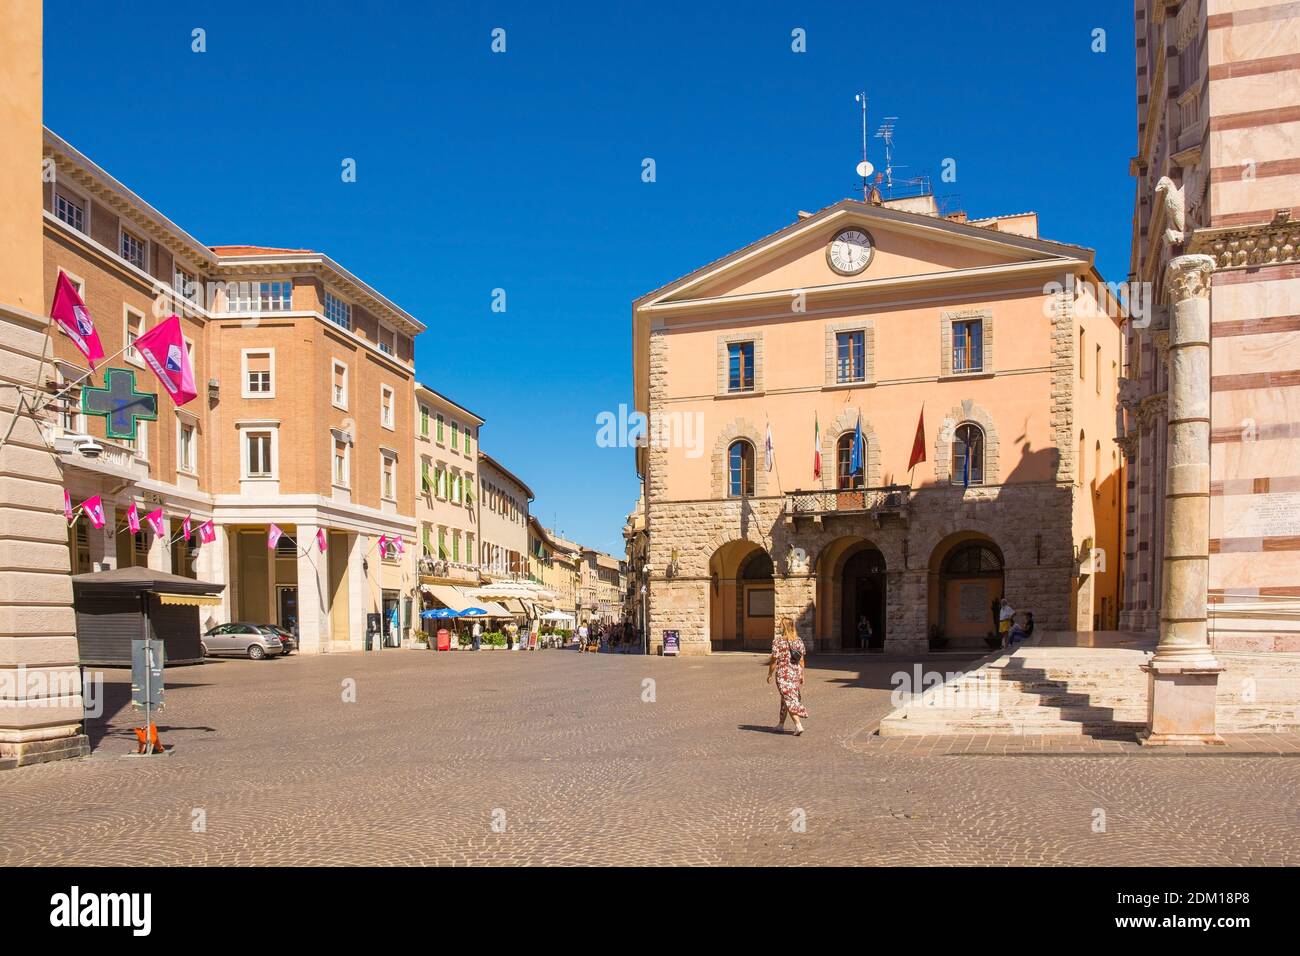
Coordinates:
<point>120,404</point>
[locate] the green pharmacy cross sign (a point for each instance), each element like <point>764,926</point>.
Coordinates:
<point>120,404</point>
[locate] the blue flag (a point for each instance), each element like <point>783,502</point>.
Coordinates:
<point>855,457</point>
<point>965,471</point>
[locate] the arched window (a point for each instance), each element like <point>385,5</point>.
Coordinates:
<point>740,469</point>
<point>972,560</point>
<point>968,455</point>
<point>845,476</point>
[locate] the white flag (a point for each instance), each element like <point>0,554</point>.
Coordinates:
<point>767,449</point>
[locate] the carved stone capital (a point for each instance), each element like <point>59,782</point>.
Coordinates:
<point>1188,277</point>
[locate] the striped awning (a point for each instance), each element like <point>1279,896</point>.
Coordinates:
<point>188,600</point>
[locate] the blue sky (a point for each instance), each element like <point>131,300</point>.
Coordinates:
<point>522,170</point>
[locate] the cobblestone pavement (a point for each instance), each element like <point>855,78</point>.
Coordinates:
<point>564,751</point>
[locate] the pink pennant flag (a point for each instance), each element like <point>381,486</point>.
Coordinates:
<point>67,505</point>
<point>70,313</point>
<point>208,532</point>
<point>401,548</point>
<point>163,348</point>
<point>321,539</point>
<point>273,536</point>
<point>94,509</point>
<point>185,526</point>
<point>155,519</point>
<point>133,518</point>
<point>383,545</point>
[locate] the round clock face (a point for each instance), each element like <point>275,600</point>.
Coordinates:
<point>850,251</point>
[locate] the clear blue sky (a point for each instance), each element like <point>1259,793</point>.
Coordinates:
<point>522,170</point>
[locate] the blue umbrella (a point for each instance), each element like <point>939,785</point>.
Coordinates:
<point>473,612</point>
<point>440,612</point>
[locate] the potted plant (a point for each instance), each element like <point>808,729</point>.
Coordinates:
<point>938,640</point>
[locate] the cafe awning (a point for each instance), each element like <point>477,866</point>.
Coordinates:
<point>450,596</point>
<point>188,600</point>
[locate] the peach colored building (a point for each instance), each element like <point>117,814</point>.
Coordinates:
<point>41,703</point>
<point>868,313</point>
<point>1218,174</point>
<point>304,416</point>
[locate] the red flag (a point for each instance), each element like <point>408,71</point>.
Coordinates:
<point>70,313</point>
<point>321,540</point>
<point>67,505</point>
<point>155,519</point>
<point>185,526</point>
<point>93,509</point>
<point>817,448</point>
<point>918,446</point>
<point>133,518</point>
<point>163,348</point>
<point>208,532</point>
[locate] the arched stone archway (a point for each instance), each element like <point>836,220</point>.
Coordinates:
<point>852,585</point>
<point>742,597</point>
<point>967,572</point>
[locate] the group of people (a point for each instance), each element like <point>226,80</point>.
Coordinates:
<point>620,637</point>
<point>1011,630</point>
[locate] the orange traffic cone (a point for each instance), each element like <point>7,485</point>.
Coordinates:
<point>144,738</point>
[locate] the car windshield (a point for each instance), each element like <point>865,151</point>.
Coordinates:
<point>267,629</point>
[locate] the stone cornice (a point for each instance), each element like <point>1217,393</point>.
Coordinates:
<point>1244,247</point>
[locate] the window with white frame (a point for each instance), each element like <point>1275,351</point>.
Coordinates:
<point>386,340</point>
<point>133,249</point>
<point>386,397</point>
<point>185,284</point>
<point>338,311</point>
<point>258,454</point>
<point>271,296</point>
<point>388,475</point>
<point>259,373</point>
<point>342,457</point>
<point>71,210</point>
<point>133,326</point>
<point>185,447</point>
<point>339,391</point>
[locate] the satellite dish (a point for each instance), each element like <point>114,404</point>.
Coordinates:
<point>865,169</point>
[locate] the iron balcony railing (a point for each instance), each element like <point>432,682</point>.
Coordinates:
<point>887,499</point>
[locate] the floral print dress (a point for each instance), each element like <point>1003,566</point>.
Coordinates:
<point>788,678</point>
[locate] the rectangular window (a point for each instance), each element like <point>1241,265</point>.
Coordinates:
<point>850,364</point>
<point>424,421</point>
<point>426,482</point>
<point>455,546</point>
<point>340,463</point>
<point>133,249</point>
<point>258,367</point>
<point>455,436</point>
<point>967,346</point>
<point>185,284</point>
<point>442,544</point>
<point>385,341</point>
<point>274,296</point>
<point>469,547</point>
<point>426,541</point>
<point>259,454</point>
<point>389,484</point>
<point>185,448</point>
<point>338,311</point>
<point>340,385</point>
<point>385,406</point>
<point>70,210</point>
<point>740,367</point>
<point>134,329</point>
<point>1097,369</point>
<point>1082,376</point>
<point>469,441</point>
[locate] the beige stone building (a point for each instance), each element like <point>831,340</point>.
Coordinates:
<point>553,564</point>
<point>869,313</point>
<point>40,682</point>
<point>304,416</point>
<point>1218,175</point>
<point>601,587</point>
<point>447,503</point>
<point>503,515</point>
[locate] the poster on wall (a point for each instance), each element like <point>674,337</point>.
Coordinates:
<point>761,602</point>
<point>672,644</point>
<point>974,603</point>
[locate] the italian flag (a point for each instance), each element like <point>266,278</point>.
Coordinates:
<point>817,448</point>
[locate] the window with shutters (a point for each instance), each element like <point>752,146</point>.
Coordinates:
<point>967,346</point>
<point>740,469</point>
<point>740,367</point>
<point>968,455</point>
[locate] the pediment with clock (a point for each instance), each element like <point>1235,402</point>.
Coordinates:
<point>852,242</point>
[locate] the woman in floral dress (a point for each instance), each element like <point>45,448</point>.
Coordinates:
<point>786,665</point>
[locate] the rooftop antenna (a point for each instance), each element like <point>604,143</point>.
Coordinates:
<point>886,133</point>
<point>864,168</point>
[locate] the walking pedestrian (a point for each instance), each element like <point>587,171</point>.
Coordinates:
<point>1006,613</point>
<point>786,666</point>
<point>476,635</point>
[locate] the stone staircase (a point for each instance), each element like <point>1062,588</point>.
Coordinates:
<point>1097,691</point>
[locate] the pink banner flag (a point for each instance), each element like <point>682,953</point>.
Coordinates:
<point>321,539</point>
<point>273,536</point>
<point>94,510</point>
<point>185,526</point>
<point>207,532</point>
<point>133,518</point>
<point>70,313</point>
<point>163,348</point>
<point>155,519</point>
<point>383,545</point>
<point>399,546</point>
<point>67,505</point>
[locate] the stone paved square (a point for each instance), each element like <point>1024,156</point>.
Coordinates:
<point>284,772</point>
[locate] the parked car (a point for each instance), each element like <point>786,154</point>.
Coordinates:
<point>286,637</point>
<point>241,639</point>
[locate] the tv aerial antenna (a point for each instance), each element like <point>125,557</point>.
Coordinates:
<point>886,133</point>
<point>864,168</point>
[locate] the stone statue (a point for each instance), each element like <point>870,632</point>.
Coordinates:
<point>1175,215</point>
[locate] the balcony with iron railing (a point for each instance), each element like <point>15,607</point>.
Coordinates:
<point>876,502</point>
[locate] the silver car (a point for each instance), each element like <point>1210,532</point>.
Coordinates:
<point>241,639</point>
